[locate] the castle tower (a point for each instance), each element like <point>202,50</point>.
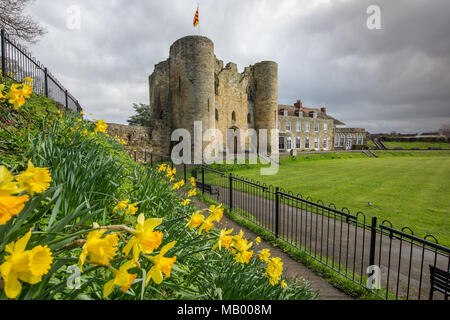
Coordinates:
<point>265,76</point>
<point>191,82</point>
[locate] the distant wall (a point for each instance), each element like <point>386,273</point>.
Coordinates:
<point>148,139</point>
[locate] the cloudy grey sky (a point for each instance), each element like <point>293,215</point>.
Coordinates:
<point>396,78</point>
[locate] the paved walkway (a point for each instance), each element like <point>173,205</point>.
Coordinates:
<point>291,267</point>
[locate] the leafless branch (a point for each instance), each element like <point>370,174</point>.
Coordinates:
<point>17,24</point>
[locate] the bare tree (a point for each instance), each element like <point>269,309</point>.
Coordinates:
<point>17,24</point>
<point>445,130</point>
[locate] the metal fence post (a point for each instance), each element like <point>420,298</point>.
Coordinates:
<point>373,238</point>
<point>135,155</point>
<point>145,156</point>
<point>231,191</point>
<point>3,42</point>
<point>203,179</point>
<point>46,82</point>
<point>185,172</point>
<point>151,159</point>
<point>67,101</point>
<point>277,210</point>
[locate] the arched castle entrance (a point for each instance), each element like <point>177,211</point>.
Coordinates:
<point>232,145</point>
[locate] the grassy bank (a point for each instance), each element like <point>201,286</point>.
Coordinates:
<point>415,145</point>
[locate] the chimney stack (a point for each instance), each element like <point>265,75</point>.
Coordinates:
<point>324,110</point>
<point>298,104</point>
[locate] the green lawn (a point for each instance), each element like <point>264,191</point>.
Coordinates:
<point>415,145</point>
<point>407,188</point>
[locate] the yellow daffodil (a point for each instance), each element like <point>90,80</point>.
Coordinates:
<point>162,167</point>
<point>169,172</point>
<point>264,255</point>
<point>176,186</point>
<point>34,179</point>
<point>242,246</point>
<point>10,205</point>
<point>181,182</point>
<point>196,219</point>
<point>186,202</point>
<point>122,278</point>
<point>27,90</point>
<point>100,126</point>
<point>283,284</point>
<point>28,79</point>
<point>243,256</point>
<point>17,101</point>
<point>122,205</point>
<point>192,192</point>
<point>224,239</point>
<point>206,225</point>
<point>193,181</point>
<point>145,239</point>
<point>274,270</point>
<point>132,208</point>
<point>100,250</point>
<point>161,265</point>
<point>26,265</point>
<point>257,240</point>
<point>2,87</point>
<point>216,212</point>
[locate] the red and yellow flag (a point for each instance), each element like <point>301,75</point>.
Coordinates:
<point>196,18</point>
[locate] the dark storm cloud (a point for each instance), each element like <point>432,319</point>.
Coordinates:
<point>397,78</point>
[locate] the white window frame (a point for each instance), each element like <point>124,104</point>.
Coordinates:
<point>281,139</point>
<point>316,143</point>
<point>289,143</point>
<point>307,143</point>
<point>298,126</point>
<point>288,125</point>
<point>298,142</point>
<point>308,126</point>
<point>316,126</point>
<point>325,127</point>
<point>325,143</point>
<point>349,141</point>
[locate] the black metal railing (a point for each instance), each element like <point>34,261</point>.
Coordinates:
<point>349,244</point>
<point>17,64</point>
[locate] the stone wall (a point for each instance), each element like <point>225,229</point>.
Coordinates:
<point>142,138</point>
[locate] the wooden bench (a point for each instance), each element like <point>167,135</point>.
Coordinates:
<point>208,188</point>
<point>440,281</point>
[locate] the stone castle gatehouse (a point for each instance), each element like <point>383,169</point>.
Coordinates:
<point>193,85</point>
